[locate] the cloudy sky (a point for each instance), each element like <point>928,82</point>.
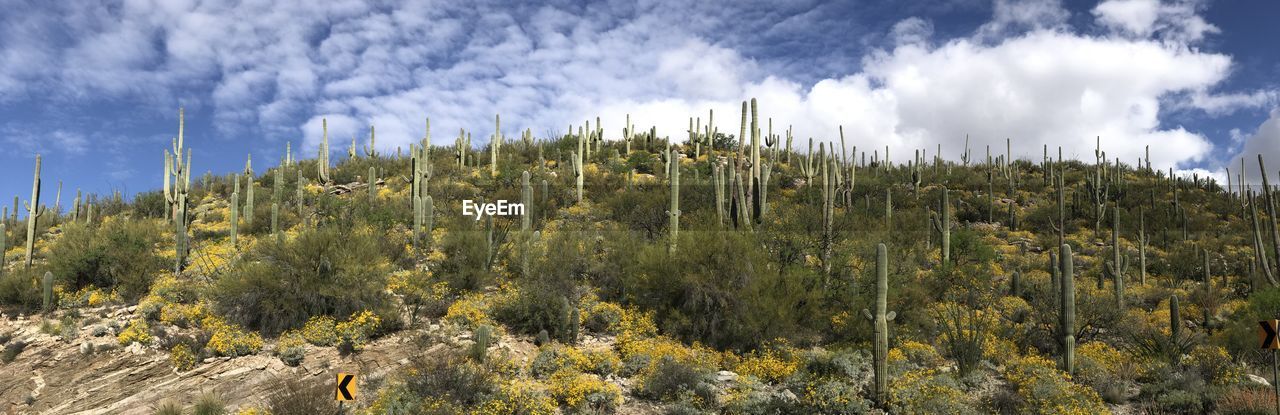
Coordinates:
<point>95,87</point>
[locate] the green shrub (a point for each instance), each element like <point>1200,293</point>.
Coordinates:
<point>452,378</point>
<point>115,254</point>
<point>671,378</point>
<point>20,289</point>
<point>293,396</point>
<point>168,408</point>
<point>323,271</point>
<point>719,289</point>
<point>209,404</point>
<point>12,350</point>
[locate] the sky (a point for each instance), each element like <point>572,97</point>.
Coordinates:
<point>95,87</point>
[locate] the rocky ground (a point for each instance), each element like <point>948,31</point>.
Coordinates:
<point>93,374</point>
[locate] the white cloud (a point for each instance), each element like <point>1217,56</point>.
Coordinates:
<point>1177,21</point>
<point>1264,141</point>
<point>279,67</point>
<point>1013,16</point>
<point>912,30</point>
<point>1226,103</point>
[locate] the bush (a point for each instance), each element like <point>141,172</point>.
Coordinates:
<point>181,358</point>
<point>1247,401</point>
<point>291,348</point>
<point>583,393</point>
<point>117,254</point>
<point>168,408</point>
<point>671,378</point>
<point>292,396</point>
<point>19,289</point>
<point>554,358</point>
<point>209,404</point>
<point>602,317</point>
<point>322,271</point>
<point>928,391</point>
<point>12,350</point>
<point>136,331</point>
<point>451,377</point>
<point>229,339</point>
<point>320,331</point>
<point>720,289</point>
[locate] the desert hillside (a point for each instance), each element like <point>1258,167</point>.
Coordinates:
<point>709,273</point>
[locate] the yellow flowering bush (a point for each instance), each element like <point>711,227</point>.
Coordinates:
<point>320,331</point>
<point>641,356</point>
<point>555,358</point>
<point>470,311</point>
<point>518,397</point>
<point>230,340</point>
<point>1046,390</point>
<point>603,317</point>
<point>358,329</point>
<point>1214,365</point>
<point>927,391</point>
<point>603,361</point>
<point>136,331</point>
<point>183,315</point>
<point>291,347</point>
<point>584,393</point>
<point>772,365</point>
<point>252,410</point>
<point>181,358</point>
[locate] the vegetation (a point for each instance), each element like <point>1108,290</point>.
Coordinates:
<point>709,274</point>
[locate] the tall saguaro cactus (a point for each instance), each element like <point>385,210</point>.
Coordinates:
<point>674,211</point>
<point>881,321</point>
<point>248,191</point>
<point>1067,312</point>
<point>177,173</point>
<point>526,199</point>
<point>235,211</point>
<point>495,145</point>
<point>942,223</point>
<point>34,211</point>
<point>322,161</point>
<point>1175,320</point>
<point>578,170</point>
<point>46,290</point>
<point>1118,264</point>
<point>4,234</point>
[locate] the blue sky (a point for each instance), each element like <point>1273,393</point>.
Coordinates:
<point>95,88</point>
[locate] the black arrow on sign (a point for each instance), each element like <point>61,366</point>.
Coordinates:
<point>342,387</point>
<point>1268,334</point>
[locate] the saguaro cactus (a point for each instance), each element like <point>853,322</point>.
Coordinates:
<point>577,171</point>
<point>322,159</point>
<point>495,145</point>
<point>1142,248</point>
<point>46,289</point>
<point>1175,320</point>
<point>526,199</point>
<point>248,191</point>
<point>942,223</point>
<point>717,183</point>
<point>234,209</point>
<point>881,321</point>
<point>674,212</point>
<point>1118,264</point>
<point>1067,313</point>
<point>178,173</point>
<point>371,151</point>
<point>34,211</point>
<point>373,185</point>
<point>277,197</point>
